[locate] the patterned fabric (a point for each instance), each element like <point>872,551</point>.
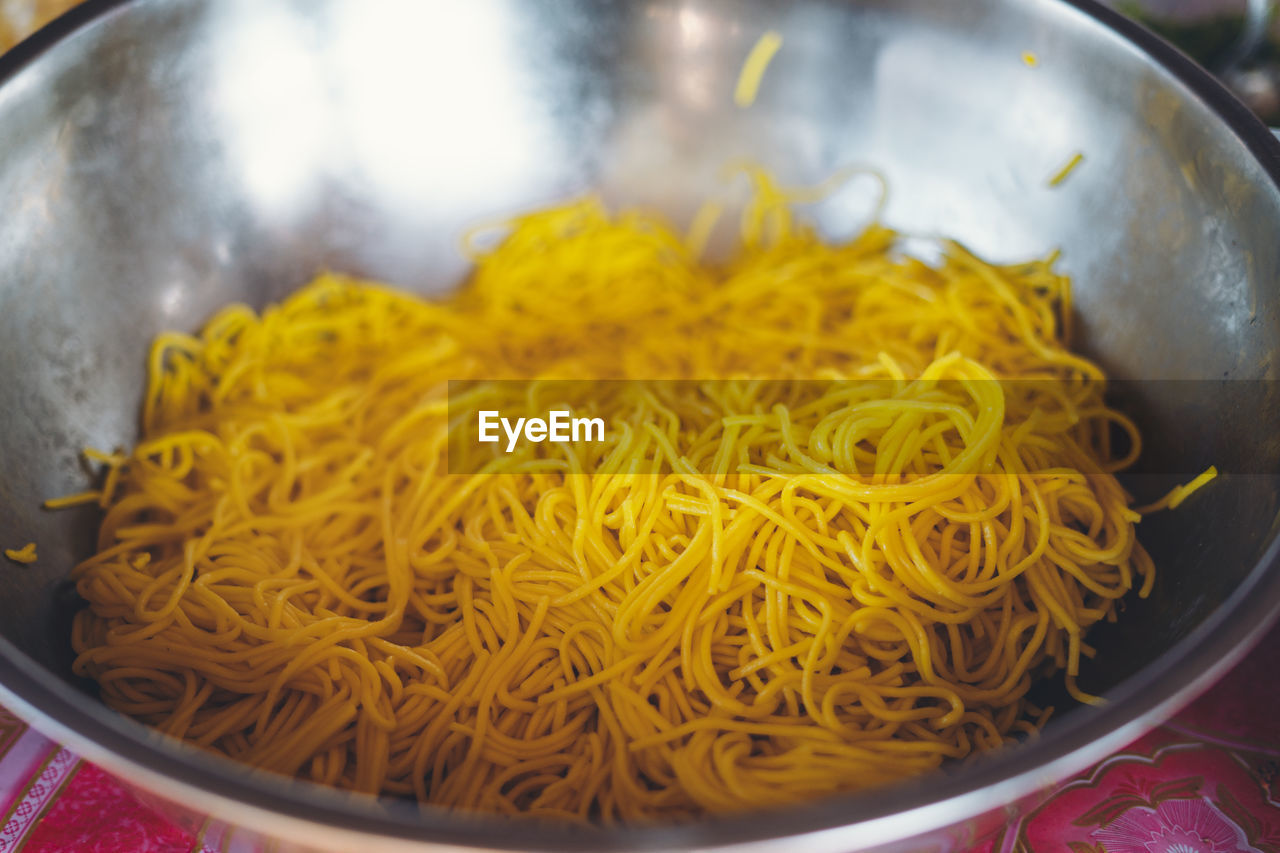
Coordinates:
<point>1206,782</point>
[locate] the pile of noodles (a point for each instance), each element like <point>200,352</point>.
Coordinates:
<point>761,591</point>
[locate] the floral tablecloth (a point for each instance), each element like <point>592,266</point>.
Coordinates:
<point>1206,782</point>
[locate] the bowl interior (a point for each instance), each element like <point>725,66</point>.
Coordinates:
<point>170,157</point>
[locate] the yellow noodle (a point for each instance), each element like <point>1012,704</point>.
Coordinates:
<point>1070,166</point>
<point>77,499</point>
<point>1180,493</point>
<point>26,554</point>
<point>744,93</point>
<point>765,591</point>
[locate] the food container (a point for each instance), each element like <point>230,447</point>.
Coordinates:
<point>161,158</point>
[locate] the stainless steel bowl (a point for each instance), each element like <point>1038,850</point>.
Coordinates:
<point>160,158</point>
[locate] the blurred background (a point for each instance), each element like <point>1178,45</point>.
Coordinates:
<point>20,18</point>
<point>1238,40</point>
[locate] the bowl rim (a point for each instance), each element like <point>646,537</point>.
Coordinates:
<point>312,814</point>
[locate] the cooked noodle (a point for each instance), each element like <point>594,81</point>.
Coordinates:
<point>24,555</point>
<point>863,585</point>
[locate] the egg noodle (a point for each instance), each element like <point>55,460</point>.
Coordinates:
<point>288,574</point>
<point>24,555</point>
<point>757,62</point>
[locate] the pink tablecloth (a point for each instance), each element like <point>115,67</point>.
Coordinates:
<point>1207,782</point>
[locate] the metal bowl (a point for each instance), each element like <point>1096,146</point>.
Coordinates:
<point>160,158</point>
